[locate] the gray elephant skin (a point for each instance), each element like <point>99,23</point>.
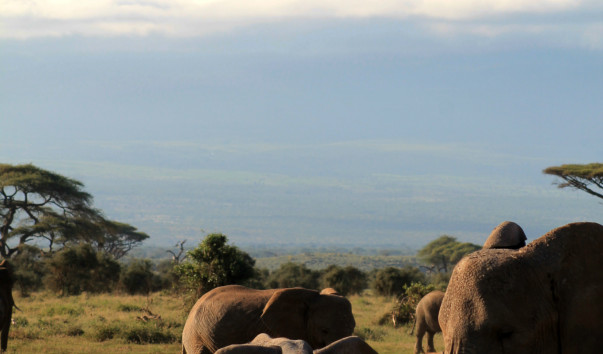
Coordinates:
<point>6,302</point>
<point>426,320</point>
<point>544,298</point>
<point>264,344</point>
<point>506,235</point>
<point>235,314</point>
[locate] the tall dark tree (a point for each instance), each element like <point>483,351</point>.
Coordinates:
<point>445,251</point>
<point>38,205</point>
<point>587,178</point>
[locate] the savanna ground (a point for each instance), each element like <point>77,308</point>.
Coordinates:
<point>113,324</point>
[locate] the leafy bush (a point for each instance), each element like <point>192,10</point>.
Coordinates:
<point>392,281</point>
<point>405,305</point>
<point>81,268</point>
<point>291,275</point>
<point>214,263</point>
<point>137,277</point>
<point>347,281</point>
<point>29,269</point>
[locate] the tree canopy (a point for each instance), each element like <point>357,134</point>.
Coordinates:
<point>587,178</point>
<point>37,205</point>
<point>445,251</point>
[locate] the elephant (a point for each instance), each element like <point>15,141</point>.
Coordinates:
<point>426,320</point>
<point>234,314</point>
<point>264,344</point>
<point>348,345</point>
<point>543,298</point>
<point>330,291</point>
<point>506,235</point>
<point>6,302</point>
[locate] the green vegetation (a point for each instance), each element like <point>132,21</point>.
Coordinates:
<point>392,281</point>
<point>444,252</point>
<point>587,178</point>
<point>214,263</point>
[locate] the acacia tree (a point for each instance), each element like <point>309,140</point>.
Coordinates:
<point>37,205</point>
<point>445,251</point>
<point>587,178</point>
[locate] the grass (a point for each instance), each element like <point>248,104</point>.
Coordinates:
<point>109,323</point>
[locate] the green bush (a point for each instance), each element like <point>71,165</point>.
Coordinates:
<point>391,281</point>
<point>290,275</point>
<point>214,263</point>
<point>73,270</point>
<point>29,269</point>
<point>406,304</point>
<point>137,277</point>
<point>347,281</point>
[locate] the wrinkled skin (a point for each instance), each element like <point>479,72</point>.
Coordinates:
<point>264,344</point>
<point>6,302</point>
<point>234,314</point>
<point>543,298</point>
<point>426,320</point>
<point>506,235</point>
<point>347,345</point>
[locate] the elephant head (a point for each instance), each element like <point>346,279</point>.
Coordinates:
<point>322,318</point>
<point>542,298</point>
<point>506,235</point>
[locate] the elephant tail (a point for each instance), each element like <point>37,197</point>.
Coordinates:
<point>414,322</point>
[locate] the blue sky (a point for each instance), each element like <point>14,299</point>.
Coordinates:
<point>428,98</point>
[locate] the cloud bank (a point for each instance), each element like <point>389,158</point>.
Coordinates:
<point>191,18</point>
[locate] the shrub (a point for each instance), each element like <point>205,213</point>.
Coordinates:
<point>29,269</point>
<point>137,277</point>
<point>347,281</point>
<point>391,281</point>
<point>81,268</point>
<point>214,263</point>
<point>290,275</point>
<point>405,305</point>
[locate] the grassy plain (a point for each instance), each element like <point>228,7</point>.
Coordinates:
<point>110,323</point>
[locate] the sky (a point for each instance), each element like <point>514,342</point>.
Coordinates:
<point>401,119</point>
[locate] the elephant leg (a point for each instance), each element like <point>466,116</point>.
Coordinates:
<point>430,346</point>
<point>419,342</point>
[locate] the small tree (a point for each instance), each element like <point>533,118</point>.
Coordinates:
<point>444,252</point>
<point>587,178</point>
<point>214,263</point>
<point>391,281</point>
<point>290,275</point>
<point>347,281</point>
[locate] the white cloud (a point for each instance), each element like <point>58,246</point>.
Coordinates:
<point>35,18</point>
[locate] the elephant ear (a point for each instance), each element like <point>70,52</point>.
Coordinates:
<point>286,313</point>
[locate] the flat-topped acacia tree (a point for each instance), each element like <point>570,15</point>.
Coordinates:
<point>587,177</point>
<point>38,205</point>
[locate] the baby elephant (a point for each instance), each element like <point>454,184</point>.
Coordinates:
<point>264,344</point>
<point>426,320</point>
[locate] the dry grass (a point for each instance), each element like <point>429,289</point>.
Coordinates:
<point>108,323</point>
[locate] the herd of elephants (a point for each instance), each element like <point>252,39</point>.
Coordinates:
<point>544,297</point>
